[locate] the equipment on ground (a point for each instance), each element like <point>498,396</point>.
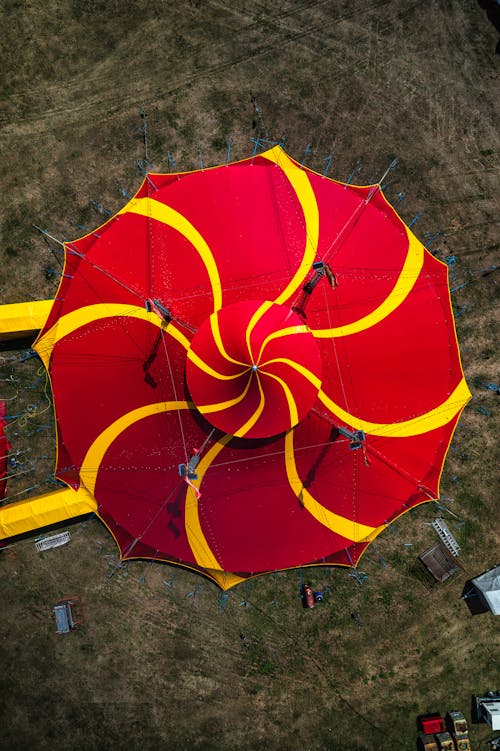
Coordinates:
<point>308,596</point>
<point>434,736</point>
<point>52,541</point>
<point>439,561</point>
<point>487,709</point>
<point>445,742</point>
<point>462,744</point>
<point>431,723</point>
<point>427,742</point>
<point>68,614</point>
<point>441,529</point>
<point>456,724</point>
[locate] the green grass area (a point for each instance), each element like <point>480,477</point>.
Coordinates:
<point>160,662</point>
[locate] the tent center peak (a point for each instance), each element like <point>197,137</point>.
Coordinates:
<point>253,369</point>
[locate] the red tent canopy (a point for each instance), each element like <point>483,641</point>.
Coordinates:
<point>254,368</point>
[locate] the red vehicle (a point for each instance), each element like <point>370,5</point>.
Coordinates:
<point>431,723</point>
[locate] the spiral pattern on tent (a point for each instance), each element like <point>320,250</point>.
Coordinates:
<point>253,369</point>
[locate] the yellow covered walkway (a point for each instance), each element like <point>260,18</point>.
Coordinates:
<point>23,319</point>
<point>19,320</point>
<point>44,510</point>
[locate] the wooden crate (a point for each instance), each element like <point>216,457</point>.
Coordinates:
<point>439,562</point>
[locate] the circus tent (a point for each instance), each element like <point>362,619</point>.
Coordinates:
<point>254,368</point>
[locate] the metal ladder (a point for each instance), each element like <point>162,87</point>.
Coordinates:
<point>446,537</point>
<point>53,541</point>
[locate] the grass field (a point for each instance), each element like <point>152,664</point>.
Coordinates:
<point>160,662</point>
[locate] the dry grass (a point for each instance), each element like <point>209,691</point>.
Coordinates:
<point>160,666</point>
